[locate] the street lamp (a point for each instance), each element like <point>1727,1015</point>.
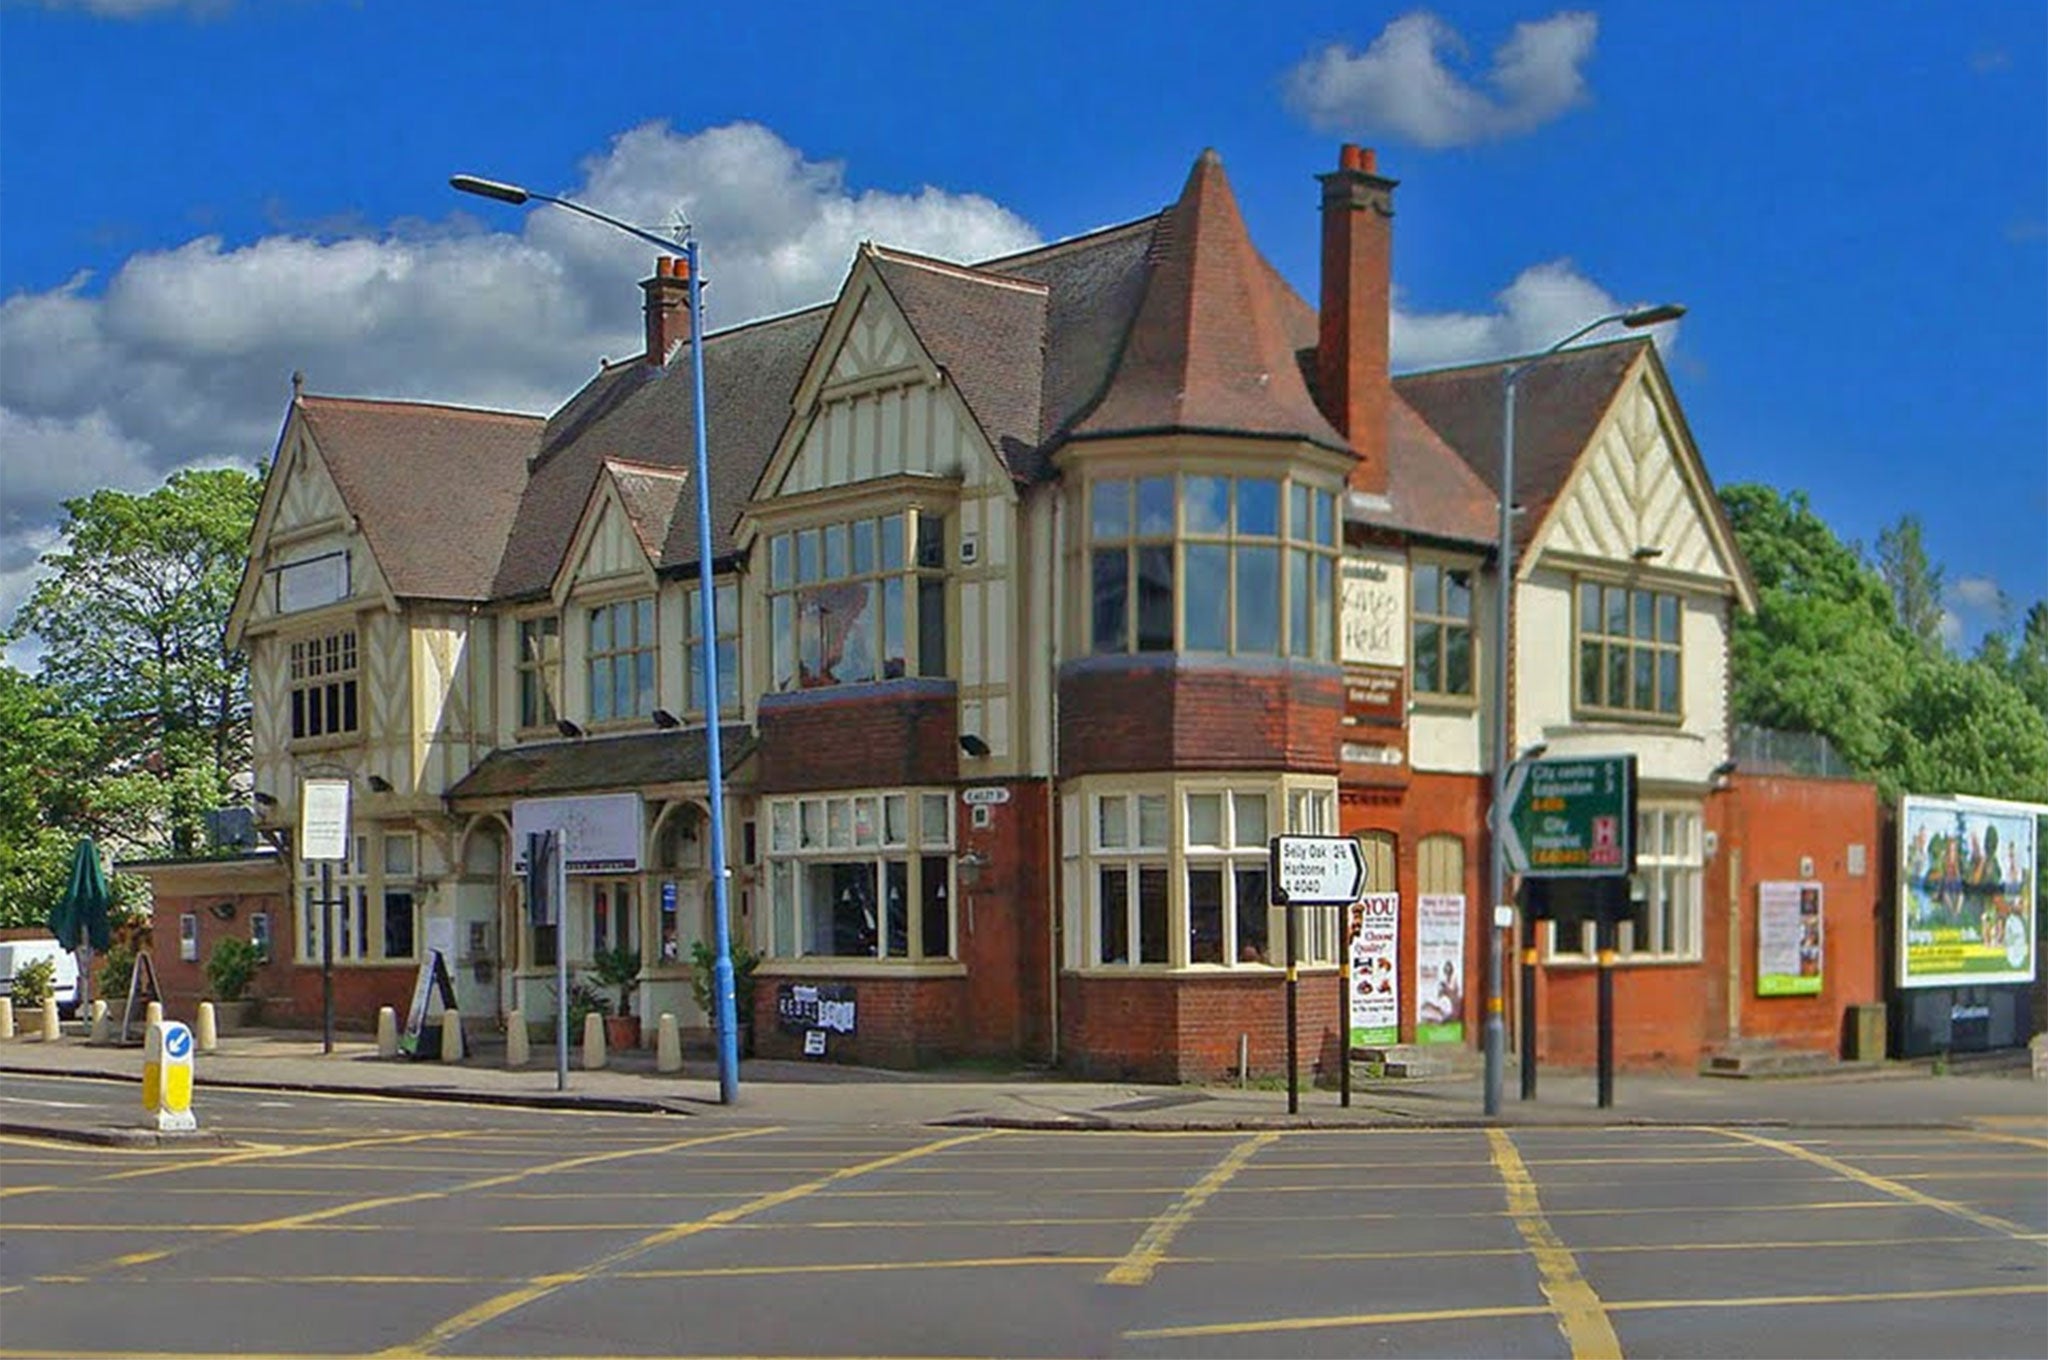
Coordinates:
<point>723,1003</point>
<point>1497,852</point>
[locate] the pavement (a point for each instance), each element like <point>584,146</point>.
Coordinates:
<point>1996,1090</point>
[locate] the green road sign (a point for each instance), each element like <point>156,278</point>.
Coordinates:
<point>1571,818</point>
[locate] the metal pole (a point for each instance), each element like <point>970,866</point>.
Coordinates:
<point>1528,1026</point>
<point>723,1000</point>
<point>558,863</point>
<point>1344,1023</point>
<point>1496,854</point>
<point>326,956</point>
<point>1293,1032</point>
<point>1606,942</point>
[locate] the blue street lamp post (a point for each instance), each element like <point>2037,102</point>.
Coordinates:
<point>724,1006</point>
<point>1495,1028</point>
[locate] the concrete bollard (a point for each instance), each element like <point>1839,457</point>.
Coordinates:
<point>102,1022</point>
<point>387,1032</point>
<point>593,1041</point>
<point>6,1017</point>
<point>518,1049</point>
<point>53,1024</point>
<point>451,1035</point>
<point>205,1031</point>
<point>152,1014</point>
<point>668,1045</point>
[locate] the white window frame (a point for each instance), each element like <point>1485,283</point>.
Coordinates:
<point>1670,886</point>
<point>877,827</point>
<point>636,609</point>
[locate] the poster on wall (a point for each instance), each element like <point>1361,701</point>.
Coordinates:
<point>1966,892</point>
<point>1375,931</point>
<point>1440,968</point>
<point>1788,939</point>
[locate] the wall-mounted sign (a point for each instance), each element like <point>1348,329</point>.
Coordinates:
<point>1788,939</point>
<point>601,833</point>
<point>1375,696</point>
<point>1373,938</point>
<point>1373,611</point>
<point>1440,968</point>
<point>1368,753</point>
<point>815,1007</point>
<point>311,583</point>
<point>985,796</point>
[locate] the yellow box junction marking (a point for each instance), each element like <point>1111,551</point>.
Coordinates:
<point>540,1286</point>
<point>1887,1186</point>
<point>1143,1258</point>
<point>1580,1315</point>
<point>262,1154</point>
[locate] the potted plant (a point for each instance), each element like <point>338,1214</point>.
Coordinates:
<point>584,999</point>
<point>619,969</point>
<point>229,971</point>
<point>744,962</point>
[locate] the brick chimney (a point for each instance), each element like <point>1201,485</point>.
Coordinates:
<point>668,307</point>
<point>1352,384</point>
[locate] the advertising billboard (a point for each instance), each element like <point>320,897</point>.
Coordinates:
<point>1966,892</point>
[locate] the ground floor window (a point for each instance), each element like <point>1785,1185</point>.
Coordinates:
<point>1666,892</point>
<point>374,902</point>
<point>861,876</point>
<point>1171,872</point>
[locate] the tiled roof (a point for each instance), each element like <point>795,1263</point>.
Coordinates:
<point>1558,404</point>
<point>1430,490</point>
<point>987,331</point>
<point>1212,347</point>
<point>400,466</point>
<point>637,760</point>
<point>652,496</point>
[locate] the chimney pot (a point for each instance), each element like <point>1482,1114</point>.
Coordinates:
<point>1354,157</point>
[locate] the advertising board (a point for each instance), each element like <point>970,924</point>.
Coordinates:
<point>1966,892</point>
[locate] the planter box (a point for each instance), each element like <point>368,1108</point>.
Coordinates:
<point>621,1032</point>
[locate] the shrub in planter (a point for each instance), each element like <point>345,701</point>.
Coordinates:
<point>231,968</point>
<point>744,962</point>
<point>34,983</point>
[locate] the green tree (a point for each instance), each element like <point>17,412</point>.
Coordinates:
<point>46,760</point>
<point>132,621</point>
<point>1966,728</point>
<point>1914,581</point>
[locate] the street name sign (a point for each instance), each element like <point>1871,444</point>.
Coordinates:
<point>1315,871</point>
<point>1571,818</point>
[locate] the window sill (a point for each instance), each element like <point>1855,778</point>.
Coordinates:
<point>360,963</point>
<point>1575,962</point>
<point>1262,971</point>
<point>810,965</point>
<point>335,741</point>
<point>1456,704</point>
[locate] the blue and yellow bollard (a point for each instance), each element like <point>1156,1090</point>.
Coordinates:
<point>167,1076</point>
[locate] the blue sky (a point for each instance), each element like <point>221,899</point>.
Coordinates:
<point>1852,198</point>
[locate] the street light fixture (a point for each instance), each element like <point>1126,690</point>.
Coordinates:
<point>1495,1031</point>
<point>724,1006</point>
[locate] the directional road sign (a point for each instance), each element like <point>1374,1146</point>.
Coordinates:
<point>1571,818</point>
<point>1315,871</point>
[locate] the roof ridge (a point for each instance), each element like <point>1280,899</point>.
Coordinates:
<point>404,403</point>
<point>1066,244</point>
<point>952,269</point>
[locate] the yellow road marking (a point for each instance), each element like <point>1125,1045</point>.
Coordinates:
<point>1579,1314</point>
<point>541,1286</point>
<point>1143,1258</point>
<point>2019,1139</point>
<point>1886,1185</point>
<point>259,1154</point>
<point>1306,1324</point>
<point>319,1217</point>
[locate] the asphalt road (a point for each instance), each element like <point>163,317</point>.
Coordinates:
<point>347,1225</point>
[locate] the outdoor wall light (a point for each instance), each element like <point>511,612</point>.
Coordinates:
<point>379,784</point>
<point>665,719</point>
<point>567,728</point>
<point>973,745</point>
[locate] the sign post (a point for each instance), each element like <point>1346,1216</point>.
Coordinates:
<point>324,838</point>
<point>1310,871</point>
<point>546,891</point>
<point>1574,818</point>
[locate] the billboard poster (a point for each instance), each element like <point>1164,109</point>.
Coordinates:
<point>1788,939</point>
<point>1440,968</point>
<point>1374,934</point>
<point>1966,892</point>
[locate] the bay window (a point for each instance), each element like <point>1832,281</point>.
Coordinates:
<point>619,660</point>
<point>857,601</point>
<point>1191,562</point>
<point>863,875</point>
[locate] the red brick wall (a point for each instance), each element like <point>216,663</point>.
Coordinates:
<point>1164,712</point>
<point>358,993</point>
<point>185,984</point>
<point>898,1021</point>
<point>881,735</point>
<point>1186,1027</point>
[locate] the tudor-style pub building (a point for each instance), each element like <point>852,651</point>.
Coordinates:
<point>1049,588</point>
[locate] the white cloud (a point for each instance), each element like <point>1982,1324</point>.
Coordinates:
<point>1544,303</point>
<point>185,357</point>
<point>1400,86</point>
<point>137,9</point>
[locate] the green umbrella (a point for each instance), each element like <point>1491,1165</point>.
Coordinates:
<point>80,916</point>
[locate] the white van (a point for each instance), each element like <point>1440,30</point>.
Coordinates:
<point>14,953</point>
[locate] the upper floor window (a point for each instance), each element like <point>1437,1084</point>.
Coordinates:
<point>1629,649</point>
<point>620,659</point>
<point>725,598</point>
<point>540,671</point>
<point>1199,563</point>
<point>857,601</point>
<point>323,685</point>
<point>1442,629</point>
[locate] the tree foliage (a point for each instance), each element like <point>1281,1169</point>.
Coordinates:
<point>132,622</point>
<point>1852,650</point>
